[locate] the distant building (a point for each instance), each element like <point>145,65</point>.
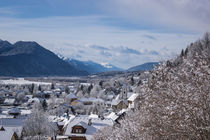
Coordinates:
<point>91,101</point>
<point>132,99</point>
<point>71,97</point>
<point>119,104</point>
<point>9,101</point>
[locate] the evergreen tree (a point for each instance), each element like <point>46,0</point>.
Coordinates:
<point>67,90</point>
<point>31,88</point>
<point>39,88</point>
<point>52,86</point>
<point>44,105</point>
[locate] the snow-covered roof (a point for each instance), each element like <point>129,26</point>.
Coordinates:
<point>21,81</point>
<point>61,120</point>
<point>116,101</point>
<point>122,111</point>
<point>9,101</point>
<point>118,97</point>
<point>36,100</point>
<point>71,96</point>
<point>83,124</point>
<point>129,94</point>
<point>7,133</point>
<point>112,116</point>
<point>93,116</point>
<point>96,125</point>
<point>92,100</point>
<point>133,97</point>
<point>85,84</point>
<point>110,96</point>
<point>25,112</point>
<point>14,110</point>
<point>61,137</point>
<point>29,96</point>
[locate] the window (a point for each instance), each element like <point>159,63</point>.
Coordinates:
<point>77,130</point>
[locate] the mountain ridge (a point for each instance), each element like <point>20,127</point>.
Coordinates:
<point>144,67</point>
<point>90,66</point>
<point>31,59</point>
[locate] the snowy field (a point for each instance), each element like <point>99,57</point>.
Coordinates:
<point>21,81</point>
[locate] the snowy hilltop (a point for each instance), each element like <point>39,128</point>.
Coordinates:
<point>174,103</point>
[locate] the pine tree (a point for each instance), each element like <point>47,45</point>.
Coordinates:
<point>52,86</point>
<point>39,88</point>
<point>44,105</point>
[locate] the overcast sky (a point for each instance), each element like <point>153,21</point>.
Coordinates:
<point>124,33</point>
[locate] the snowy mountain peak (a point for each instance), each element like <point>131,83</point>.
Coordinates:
<point>107,65</point>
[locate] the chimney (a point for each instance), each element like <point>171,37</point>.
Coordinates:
<point>90,122</point>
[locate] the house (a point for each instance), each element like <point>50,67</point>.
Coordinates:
<point>11,125</point>
<point>9,101</point>
<point>84,127</point>
<point>5,92</point>
<point>112,116</point>
<point>14,111</point>
<point>8,133</point>
<point>119,104</point>
<point>132,99</point>
<point>71,97</point>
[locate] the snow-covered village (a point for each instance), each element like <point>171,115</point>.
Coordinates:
<point>104,70</point>
<point>64,110</point>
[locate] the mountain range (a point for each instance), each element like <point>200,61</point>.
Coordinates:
<point>90,66</point>
<point>31,59</point>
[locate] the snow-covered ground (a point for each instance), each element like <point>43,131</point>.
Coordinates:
<point>21,81</point>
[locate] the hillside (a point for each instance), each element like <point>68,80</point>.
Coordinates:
<point>144,67</point>
<point>174,103</point>
<point>31,59</point>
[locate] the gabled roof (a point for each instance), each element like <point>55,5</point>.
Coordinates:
<point>116,101</point>
<point>112,116</point>
<point>92,100</point>
<point>14,110</point>
<point>8,132</point>
<point>71,96</point>
<point>83,124</point>
<point>9,101</point>
<point>133,97</point>
<point>97,123</point>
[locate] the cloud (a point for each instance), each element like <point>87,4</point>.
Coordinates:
<point>99,47</point>
<point>126,50</point>
<point>118,46</point>
<point>164,15</point>
<point>150,37</point>
<point>105,53</point>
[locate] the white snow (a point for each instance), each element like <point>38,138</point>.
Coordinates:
<point>96,125</point>
<point>133,97</point>
<point>21,81</point>
<point>106,65</point>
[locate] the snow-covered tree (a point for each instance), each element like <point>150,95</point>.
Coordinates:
<point>37,124</point>
<point>175,103</point>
